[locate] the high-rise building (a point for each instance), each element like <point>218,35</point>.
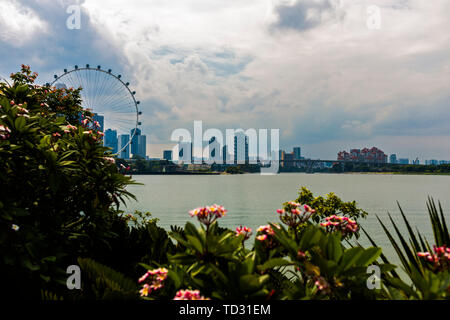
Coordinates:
<point>110,140</point>
<point>185,152</point>
<point>393,158</point>
<point>403,161</point>
<point>167,155</point>
<point>135,133</point>
<point>281,155</point>
<point>214,151</point>
<point>416,162</point>
<point>297,153</point>
<point>101,120</point>
<point>289,159</point>
<point>138,143</point>
<point>240,148</point>
<point>142,143</point>
<point>123,140</point>
<point>225,155</point>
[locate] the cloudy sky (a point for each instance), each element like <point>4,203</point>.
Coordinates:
<point>327,73</point>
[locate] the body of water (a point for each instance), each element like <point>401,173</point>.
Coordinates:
<point>252,199</point>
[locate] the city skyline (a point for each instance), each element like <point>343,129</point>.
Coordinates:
<point>401,158</point>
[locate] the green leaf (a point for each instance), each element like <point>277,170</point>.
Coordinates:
<point>175,278</point>
<point>334,247</point>
<point>195,243</point>
<point>350,256</point>
<point>182,258</point>
<point>368,256</point>
<point>251,283</point>
<point>275,262</point>
<point>19,123</point>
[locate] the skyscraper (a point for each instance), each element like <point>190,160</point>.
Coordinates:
<point>393,158</point>
<point>135,133</point>
<point>138,143</point>
<point>100,119</point>
<point>297,153</point>
<point>240,148</point>
<point>123,140</point>
<point>281,155</point>
<point>142,143</point>
<point>214,151</point>
<point>185,152</point>
<point>110,140</point>
<point>225,154</point>
<point>167,155</point>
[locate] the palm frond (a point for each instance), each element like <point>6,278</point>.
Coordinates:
<point>107,283</point>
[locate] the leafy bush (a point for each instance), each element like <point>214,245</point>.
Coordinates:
<point>60,188</point>
<point>427,268</point>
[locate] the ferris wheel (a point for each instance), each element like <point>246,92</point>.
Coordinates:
<point>107,96</point>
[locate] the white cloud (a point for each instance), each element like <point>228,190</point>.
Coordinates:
<point>18,24</point>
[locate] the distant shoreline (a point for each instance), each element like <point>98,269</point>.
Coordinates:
<point>224,173</point>
<point>404,173</point>
<point>174,173</point>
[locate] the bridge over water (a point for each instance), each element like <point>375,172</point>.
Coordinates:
<point>310,164</point>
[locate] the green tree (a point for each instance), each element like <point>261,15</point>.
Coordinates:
<point>60,188</point>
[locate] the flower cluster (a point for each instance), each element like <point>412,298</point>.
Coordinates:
<point>154,279</point>
<point>266,231</point>
<point>338,223</point>
<point>69,128</point>
<point>95,135</point>
<point>301,255</point>
<point>247,232</point>
<point>189,295</point>
<point>122,167</point>
<point>266,236</point>
<point>129,217</point>
<point>295,214</point>
<point>91,129</point>
<point>21,111</point>
<point>208,214</point>
<point>440,259</point>
<point>110,160</point>
<point>322,285</point>
<point>4,132</point>
<point>24,75</point>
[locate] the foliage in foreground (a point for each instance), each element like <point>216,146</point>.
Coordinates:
<point>58,185</point>
<point>297,259</point>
